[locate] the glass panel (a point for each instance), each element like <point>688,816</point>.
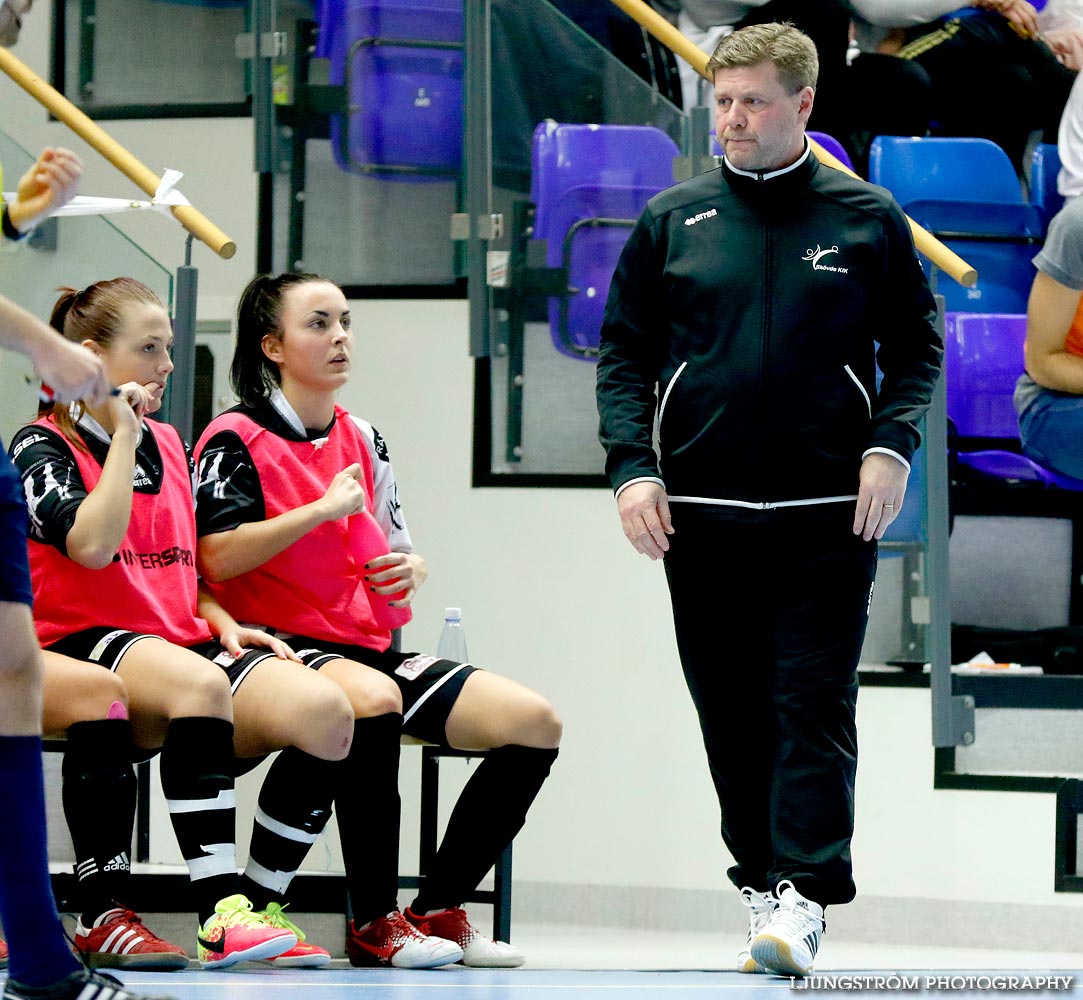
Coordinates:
<point>370,140</point>
<point>72,251</point>
<point>897,634</point>
<point>579,143</point>
<point>186,54</point>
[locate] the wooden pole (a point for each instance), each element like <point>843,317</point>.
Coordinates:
<point>947,260</point>
<point>61,108</point>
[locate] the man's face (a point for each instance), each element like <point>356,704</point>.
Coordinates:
<point>11,15</point>
<point>759,124</point>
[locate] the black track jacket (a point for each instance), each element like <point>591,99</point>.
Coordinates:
<point>754,304</point>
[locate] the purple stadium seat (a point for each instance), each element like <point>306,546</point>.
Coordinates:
<point>1044,169</point>
<point>833,146</point>
<point>589,185</point>
<point>401,62</point>
<point>983,358</point>
<point>966,192</point>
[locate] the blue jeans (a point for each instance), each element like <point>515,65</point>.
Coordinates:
<point>1051,428</point>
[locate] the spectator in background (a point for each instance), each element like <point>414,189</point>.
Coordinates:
<point>1061,24</point>
<point>1049,395</point>
<point>969,53</point>
<point>1070,143</point>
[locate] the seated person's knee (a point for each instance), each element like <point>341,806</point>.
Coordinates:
<point>548,726</point>
<point>379,696</point>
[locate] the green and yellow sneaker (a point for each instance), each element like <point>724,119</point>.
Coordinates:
<point>235,934</point>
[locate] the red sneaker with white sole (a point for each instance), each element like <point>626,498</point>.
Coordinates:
<point>119,939</point>
<point>393,940</point>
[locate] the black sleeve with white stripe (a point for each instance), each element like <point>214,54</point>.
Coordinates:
<point>228,490</point>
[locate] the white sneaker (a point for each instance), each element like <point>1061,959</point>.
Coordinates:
<point>479,951</point>
<point>789,940</point>
<point>760,907</point>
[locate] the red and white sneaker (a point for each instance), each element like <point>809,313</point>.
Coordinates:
<point>233,933</point>
<point>119,939</point>
<point>479,952</point>
<point>393,940</point>
<point>302,955</point>
<point>3,954</point>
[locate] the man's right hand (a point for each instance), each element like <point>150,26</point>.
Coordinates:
<point>71,370</point>
<point>645,518</point>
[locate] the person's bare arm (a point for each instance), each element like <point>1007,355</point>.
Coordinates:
<point>69,369</point>
<point>1050,311</point>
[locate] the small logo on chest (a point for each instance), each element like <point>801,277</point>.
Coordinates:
<point>817,254</point>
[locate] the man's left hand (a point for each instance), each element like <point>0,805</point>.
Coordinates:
<point>880,495</point>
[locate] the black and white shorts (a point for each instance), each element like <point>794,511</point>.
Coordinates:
<point>430,686</point>
<point>107,646</point>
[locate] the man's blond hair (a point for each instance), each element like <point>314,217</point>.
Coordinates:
<point>790,49</point>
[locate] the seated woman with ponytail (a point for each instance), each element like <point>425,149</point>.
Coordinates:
<point>279,478</point>
<point>112,556</point>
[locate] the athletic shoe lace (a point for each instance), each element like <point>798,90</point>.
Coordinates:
<point>129,917</point>
<point>277,918</point>
<point>401,928</point>
<point>761,905</point>
<point>237,911</point>
<point>795,919</point>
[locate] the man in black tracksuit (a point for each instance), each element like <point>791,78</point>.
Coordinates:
<point>745,311</point>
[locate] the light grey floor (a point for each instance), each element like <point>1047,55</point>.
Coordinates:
<point>550,947</point>
<point>601,964</point>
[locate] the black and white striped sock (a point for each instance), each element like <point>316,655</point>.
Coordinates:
<point>294,807</point>
<point>197,781</point>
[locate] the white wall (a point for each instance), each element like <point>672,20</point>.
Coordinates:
<point>554,597</point>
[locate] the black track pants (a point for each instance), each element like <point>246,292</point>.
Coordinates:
<point>770,609</point>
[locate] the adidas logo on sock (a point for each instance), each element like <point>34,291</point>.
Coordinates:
<point>119,864</point>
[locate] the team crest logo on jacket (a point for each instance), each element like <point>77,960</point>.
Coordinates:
<point>815,255</point>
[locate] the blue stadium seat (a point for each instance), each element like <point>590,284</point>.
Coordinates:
<point>965,192</point>
<point>1044,169</point>
<point>589,185</point>
<point>909,527</point>
<point>401,63</point>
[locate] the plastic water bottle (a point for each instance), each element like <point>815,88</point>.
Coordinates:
<point>366,540</point>
<point>452,644</point>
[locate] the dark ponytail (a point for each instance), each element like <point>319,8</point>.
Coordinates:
<point>252,374</point>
